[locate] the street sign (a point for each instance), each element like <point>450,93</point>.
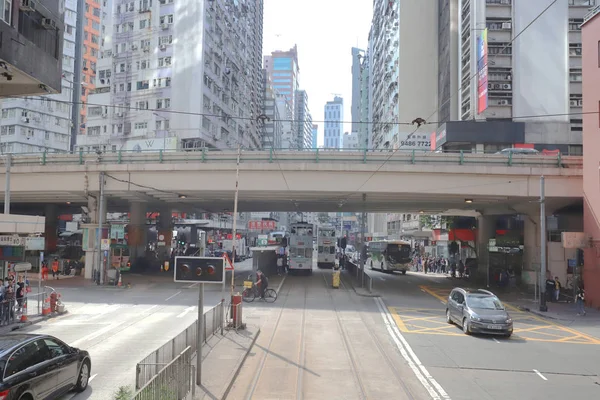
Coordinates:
<point>22,267</point>
<point>263,240</point>
<point>35,243</point>
<point>105,244</point>
<point>199,269</point>
<point>228,265</point>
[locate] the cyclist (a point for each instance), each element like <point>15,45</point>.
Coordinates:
<point>262,283</point>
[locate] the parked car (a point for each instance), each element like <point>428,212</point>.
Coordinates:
<point>478,311</point>
<point>35,367</point>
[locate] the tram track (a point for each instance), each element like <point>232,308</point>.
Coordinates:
<point>302,351</point>
<point>392,366</point>
<point>259,371</point>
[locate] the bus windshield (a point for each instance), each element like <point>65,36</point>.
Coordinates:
<point>399,252</point>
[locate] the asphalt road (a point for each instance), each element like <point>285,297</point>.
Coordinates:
<point>119,327</point>
<point>542,360</point>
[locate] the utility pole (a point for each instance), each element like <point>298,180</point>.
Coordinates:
<point>235,210</point>
<point>7,185</point>
<point>543,306</point>
<point>100,206</point>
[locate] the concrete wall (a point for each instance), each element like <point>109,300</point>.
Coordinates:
<point>591,160</point>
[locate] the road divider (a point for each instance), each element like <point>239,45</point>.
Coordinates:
<point>434,389</point>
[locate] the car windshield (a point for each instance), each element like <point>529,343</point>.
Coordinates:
<point>484,303</point>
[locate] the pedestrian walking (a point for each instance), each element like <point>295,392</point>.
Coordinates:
<point>55,268</point>
<point>580,301</point>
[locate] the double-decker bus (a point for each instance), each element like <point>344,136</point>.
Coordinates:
<point>389,255</point>
<point>326,243</point>
<point>300,248</point>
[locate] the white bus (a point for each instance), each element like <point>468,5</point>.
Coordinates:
<point>326,244</point>
<point>389,255</point>
<point>300,247</point>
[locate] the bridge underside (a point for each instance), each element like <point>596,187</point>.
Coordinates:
<point>216,201</point>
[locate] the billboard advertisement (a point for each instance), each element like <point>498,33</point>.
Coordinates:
<point>153,144</point>
<point>482,72</point>
<point>413,141</point>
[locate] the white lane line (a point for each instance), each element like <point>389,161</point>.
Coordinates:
<point>170,297</point>
<point>423,291</point>
<point>187,310</point>
<point>96,334</point>
<point>281,284</point>
<point>540,375</point>
<point>151,308</point>
<point>428,382</point>
<point>496,340</point>
<point>92,377</point>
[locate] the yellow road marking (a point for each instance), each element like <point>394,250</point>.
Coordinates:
<point>398,320</point>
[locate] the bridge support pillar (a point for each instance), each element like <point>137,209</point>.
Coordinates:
<point>91,259</point>
<point>532,251</point>
<point>50,231</point>
<point>486,230</point>
<point>164,228</point>
<point>137,231</point>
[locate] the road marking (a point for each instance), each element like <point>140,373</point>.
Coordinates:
<point>193,285</point>
<point>92,377</point>
<point>187,310</point>
<point>540,375</point>
<point>495,340</point>
<point>96,334</point>
<point>281,284</point>
<point>170,297</point>
<point>428,382</point>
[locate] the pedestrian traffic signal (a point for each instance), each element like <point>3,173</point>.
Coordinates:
<point>200,269</point>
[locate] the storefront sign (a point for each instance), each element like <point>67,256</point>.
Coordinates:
<point>11,240</point>
<point>261,225</point>
<point>35,243</point>
<point>574,240</point>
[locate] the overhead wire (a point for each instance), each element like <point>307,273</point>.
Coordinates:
<point>446,102</point>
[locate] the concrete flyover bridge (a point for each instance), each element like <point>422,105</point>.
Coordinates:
<point>321,180</point>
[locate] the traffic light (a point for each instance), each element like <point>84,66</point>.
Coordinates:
<point>200,269</point>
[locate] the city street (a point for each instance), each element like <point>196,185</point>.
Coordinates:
<point>119,327</point>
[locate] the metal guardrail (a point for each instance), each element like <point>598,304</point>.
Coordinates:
<point>305,156</point>
<point>150,366</point>
<point>173,381</point>
<point>355,271</point>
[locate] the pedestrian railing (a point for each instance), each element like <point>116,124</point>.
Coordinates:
<point>400,156</point>
<point>362,278</point>
<point>173,381</point>
<point>151,365</point>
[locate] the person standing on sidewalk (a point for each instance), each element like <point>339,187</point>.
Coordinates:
<point>580,301</point>
<point>557,287</point>
<point>55,268</point>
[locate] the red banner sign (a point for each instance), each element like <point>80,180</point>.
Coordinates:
<point>261,225</point>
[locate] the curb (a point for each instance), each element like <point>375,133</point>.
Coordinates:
<point>35,320</point>
<point>240,365</point>
<point>356,291</point>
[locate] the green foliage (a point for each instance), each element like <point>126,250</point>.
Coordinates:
<point>124,393</point>
<point>437,221</point>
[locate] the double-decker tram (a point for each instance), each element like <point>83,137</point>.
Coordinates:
<point>300,248</point>
<point>326,243</point>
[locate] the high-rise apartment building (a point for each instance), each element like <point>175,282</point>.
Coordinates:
<point>356,70</point>
<point>334,126</point>
<point>92,40</point>
<point>364,117</point>
<point>38,124</point>
<point>286,115</point>
<point>315,136</point>
<point>303,121</point>
<point>273,126</point>
<point>350,141</point>
<point>284,70</point>
<point>31,34</point>
<point>404,83</point>
<point>178,74</point>
<point>526,77</point>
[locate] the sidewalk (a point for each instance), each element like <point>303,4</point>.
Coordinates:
<point>222,358</point>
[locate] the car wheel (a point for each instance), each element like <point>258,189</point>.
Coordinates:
<point>84,377</point>
<point>26,397</point>
<point>403,272</point>
<point>448,318</point>
<point>466,327</point>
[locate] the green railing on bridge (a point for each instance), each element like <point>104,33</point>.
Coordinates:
<point>352,156</point>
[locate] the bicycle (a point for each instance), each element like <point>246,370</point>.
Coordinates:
<point>251,292</point>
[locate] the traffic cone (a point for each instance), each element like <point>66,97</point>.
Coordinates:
<point>46,306</point>
<point>119,284</point>
<point>24,312</point>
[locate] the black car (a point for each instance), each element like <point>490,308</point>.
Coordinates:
<point>478,311</point>
<point>36,367</point>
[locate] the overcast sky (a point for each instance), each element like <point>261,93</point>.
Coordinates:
<point>325,32</point>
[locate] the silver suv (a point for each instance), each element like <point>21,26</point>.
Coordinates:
<point>478,311</point>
